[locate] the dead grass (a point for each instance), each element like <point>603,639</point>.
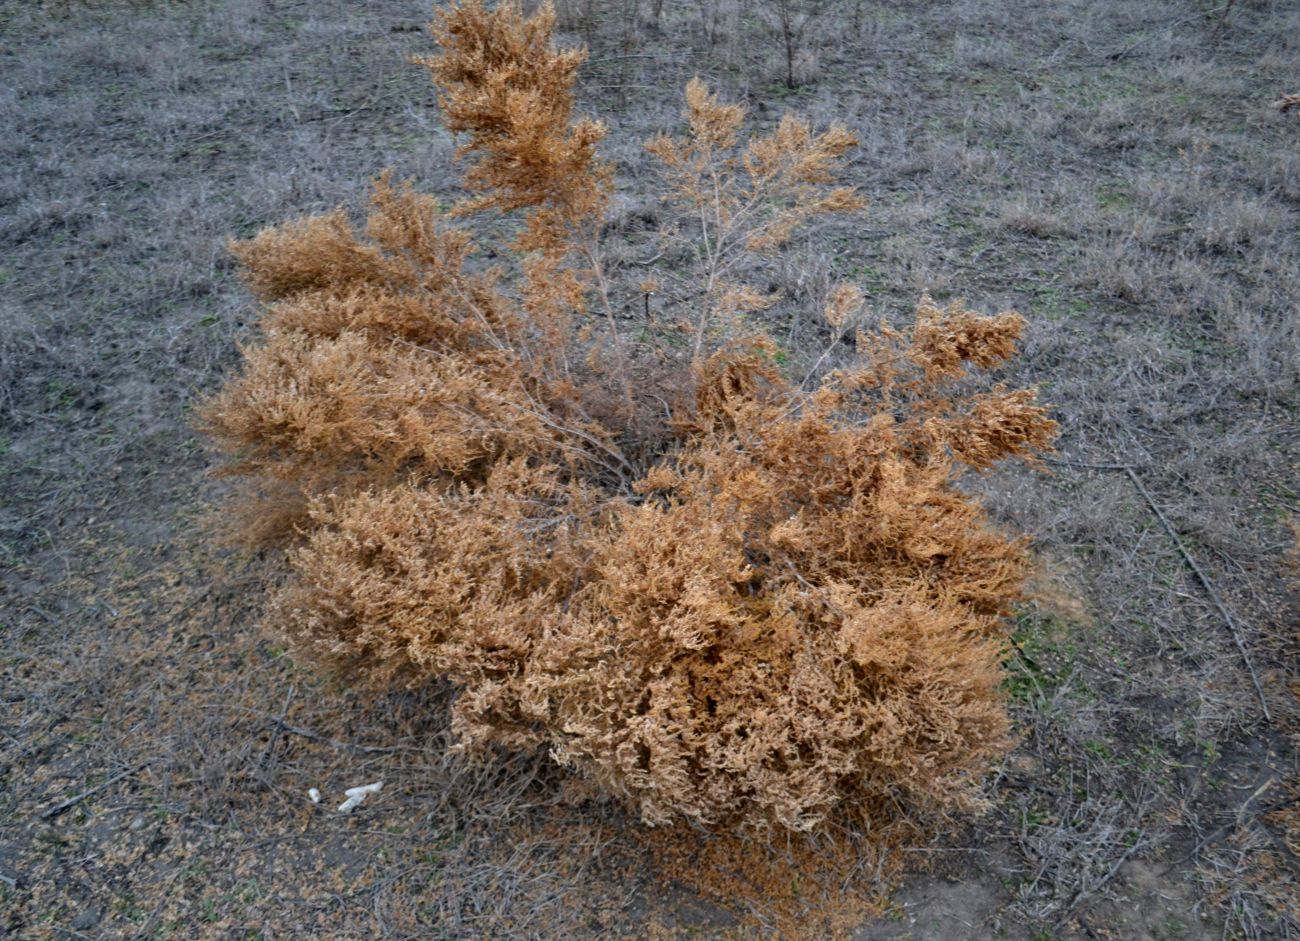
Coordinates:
<point>1141,211</point>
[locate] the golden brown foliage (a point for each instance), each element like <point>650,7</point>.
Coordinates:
<point>762,603</point>
<point>745,200</point>
<point>503,82</point>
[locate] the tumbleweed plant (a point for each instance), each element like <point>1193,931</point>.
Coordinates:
<point>719,588</point>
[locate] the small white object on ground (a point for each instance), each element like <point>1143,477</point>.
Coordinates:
<point>357,794</point>
<point>314,795</point>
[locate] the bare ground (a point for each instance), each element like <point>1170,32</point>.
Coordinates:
<point>1115,171</point>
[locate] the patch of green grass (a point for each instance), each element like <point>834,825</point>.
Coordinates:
<point>1089,90</point>
<point>1100,749</point>
<point>1115,196</point>
<point>249,891</point>
<point>779,91</point>
<point>60,394</point>
<point>1055,303</point>
<point>1151,760</point>
<point>958,221</point>
<point>1033,819</point>
<point>997,89</point>
<point>1171,928</point>
<point>130,908</point>
<point>864,274</point>
<point>1043,652</point>
<point>779,355</point>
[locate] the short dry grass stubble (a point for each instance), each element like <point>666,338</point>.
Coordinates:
<point>241,116</point>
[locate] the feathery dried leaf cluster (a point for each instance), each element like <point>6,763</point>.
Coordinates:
<point>723,593</point>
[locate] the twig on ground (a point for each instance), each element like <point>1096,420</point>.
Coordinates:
<point>279,726</point>
<point>1204,579</point>
<point>1062,462</point>
<point>1209,589</point>
<point>1223,20</point>
<point>89,792</point>
<point>1083,891</point>
<point>1238,820</point>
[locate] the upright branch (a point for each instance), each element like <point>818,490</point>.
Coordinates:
<point>748,199</point>
<point>502,81</point>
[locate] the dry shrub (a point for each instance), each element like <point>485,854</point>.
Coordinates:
<point>723,593</point>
